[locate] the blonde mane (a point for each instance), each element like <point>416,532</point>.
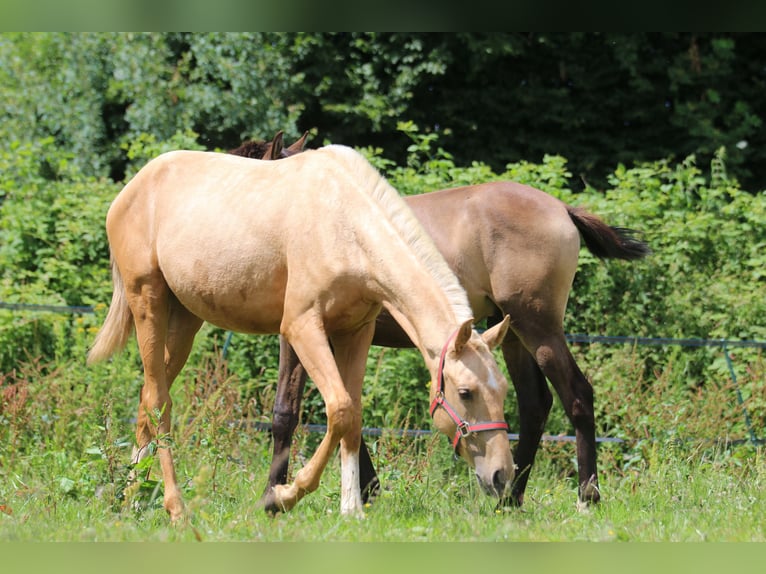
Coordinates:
<point>408,226</point>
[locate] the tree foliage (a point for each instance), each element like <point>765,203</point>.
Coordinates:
<point>598,99</point>
<point>96,93</point>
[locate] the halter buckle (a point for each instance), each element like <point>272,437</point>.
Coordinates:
<point>464,429</point>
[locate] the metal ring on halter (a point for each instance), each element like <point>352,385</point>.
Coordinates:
<point>464,428</point>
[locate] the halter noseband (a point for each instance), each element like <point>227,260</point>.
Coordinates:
<point>464,428</point>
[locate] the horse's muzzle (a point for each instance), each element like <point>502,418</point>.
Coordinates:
<point>498,485</point>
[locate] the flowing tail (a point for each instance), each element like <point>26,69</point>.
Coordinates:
<point>118,325</point>
<point>605,241</point>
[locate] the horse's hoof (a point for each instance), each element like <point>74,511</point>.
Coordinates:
<point>177,515</point>
<point>353,513</point>
<point>509,503</point>
<point>283,499</point>
<point>175,508</point>
<point>269,503</point>
<point>371,491</point>
<point>589,493</point>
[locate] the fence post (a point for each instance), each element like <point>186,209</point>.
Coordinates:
<point>740,400</point>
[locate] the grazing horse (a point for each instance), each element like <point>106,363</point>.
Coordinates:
<point>312,246</point>
<point>514,249</point>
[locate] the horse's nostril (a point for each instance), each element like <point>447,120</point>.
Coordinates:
<point>498,485</point>
<point>499,482</point>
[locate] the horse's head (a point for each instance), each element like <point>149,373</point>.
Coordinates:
<point>274,149</point>
<point>467,402</point>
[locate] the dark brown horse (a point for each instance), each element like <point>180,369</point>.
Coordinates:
<point>515,250</point>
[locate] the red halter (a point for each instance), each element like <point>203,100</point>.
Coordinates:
<point>464,428</point>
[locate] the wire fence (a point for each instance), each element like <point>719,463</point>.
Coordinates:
<point>723,344</point>
<point>74,309</point>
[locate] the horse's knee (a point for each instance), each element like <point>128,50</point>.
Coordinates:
<point>582,411</point>
<point>583,403</point>
<point>284,422</point>
<point>341,416</point>
<point>550,358</point>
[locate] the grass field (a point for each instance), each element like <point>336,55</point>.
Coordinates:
<point>680,493</point>
<point>66,436</point>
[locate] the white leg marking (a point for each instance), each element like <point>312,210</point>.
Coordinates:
<point>351,497</point>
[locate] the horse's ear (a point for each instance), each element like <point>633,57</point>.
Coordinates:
<point>297,147</point>
<point>495,335</point>
<point>462,336</point>
<point>274,149</point>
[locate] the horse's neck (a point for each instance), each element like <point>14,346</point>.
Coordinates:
<point>417,286</point>
<point>428,319</point>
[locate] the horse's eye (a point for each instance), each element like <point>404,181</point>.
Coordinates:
<point>464,394</point>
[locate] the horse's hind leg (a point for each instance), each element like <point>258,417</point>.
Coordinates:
<point>182,328</point>
<point>579,395</point>
<point>148,297</point>
<point>576,393</point>
<point>534,402</point>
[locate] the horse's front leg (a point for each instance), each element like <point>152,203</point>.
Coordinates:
<point>534,403</point>
<point>287,404</point>
<point>310,343</point>
<point>368,478</point>
<point>351,357</point>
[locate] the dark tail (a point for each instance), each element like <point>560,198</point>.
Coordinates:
<point>605,241</point>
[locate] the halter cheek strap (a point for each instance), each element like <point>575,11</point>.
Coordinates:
<point>464,428</point>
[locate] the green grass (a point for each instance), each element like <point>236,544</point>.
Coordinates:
<point>680,494</point>
<point>66,436</point>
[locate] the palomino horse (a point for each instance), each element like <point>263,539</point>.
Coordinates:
<point>312,247</point>
<point>514,249</point>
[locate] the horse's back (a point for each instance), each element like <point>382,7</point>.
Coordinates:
<point>478,220</point>
<point>516,206</point>
<point>505,241</point>
<point>202,205</point>
<point>219,199</point>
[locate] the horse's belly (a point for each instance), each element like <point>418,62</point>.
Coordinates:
<point>263,315</point>
<point>245,296</point>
